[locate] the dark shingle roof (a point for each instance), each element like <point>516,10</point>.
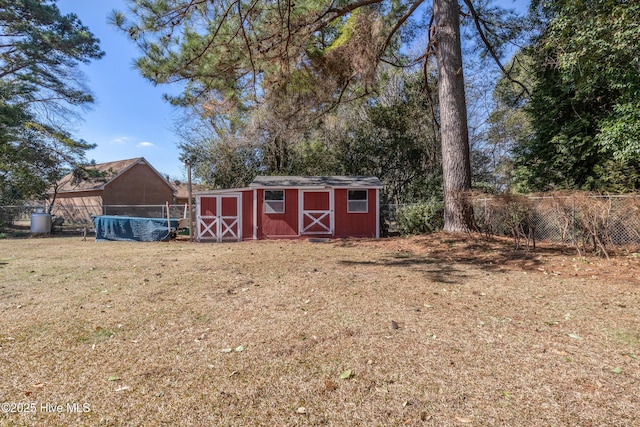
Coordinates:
<point>317,181</point>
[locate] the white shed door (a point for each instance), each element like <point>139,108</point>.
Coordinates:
<point>219,218</point>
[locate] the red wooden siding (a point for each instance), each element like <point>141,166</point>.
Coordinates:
<point>316,200</point>
<point>207,206</point>
<point>357,224</point>
<point>247,215</point>
<point>280,224</point>
<point>229,206</point>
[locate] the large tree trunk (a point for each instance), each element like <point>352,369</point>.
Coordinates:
<point>456,168</point>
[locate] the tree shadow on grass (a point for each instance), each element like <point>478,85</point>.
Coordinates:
<point>442,256</point>
<point>433,270</point>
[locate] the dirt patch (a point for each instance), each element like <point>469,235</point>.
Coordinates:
<point>432,330</point>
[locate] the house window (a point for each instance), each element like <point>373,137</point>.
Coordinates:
<point>357,201</point>
<point>274,201</point>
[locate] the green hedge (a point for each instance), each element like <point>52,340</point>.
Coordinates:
<point>420,218</point>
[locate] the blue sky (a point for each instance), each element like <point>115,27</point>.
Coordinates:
<point>130,118</point>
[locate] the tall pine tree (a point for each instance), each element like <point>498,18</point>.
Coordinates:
<point>40,89</point>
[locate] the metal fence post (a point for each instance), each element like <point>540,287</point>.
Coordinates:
<point>573,220</point>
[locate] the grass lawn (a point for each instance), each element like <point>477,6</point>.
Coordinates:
<point>437,330</point>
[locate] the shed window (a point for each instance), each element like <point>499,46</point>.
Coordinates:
<point>273,201</point>
<point>357,201</point>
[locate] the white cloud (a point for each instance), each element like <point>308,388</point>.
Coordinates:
<point>120,140</point>
<point>144,144</point>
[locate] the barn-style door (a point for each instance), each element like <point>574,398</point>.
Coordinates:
<point>316,212</point>
<point>219,218</point>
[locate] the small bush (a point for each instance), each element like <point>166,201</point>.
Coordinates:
<point>509,214</point>
<point>419,218</point>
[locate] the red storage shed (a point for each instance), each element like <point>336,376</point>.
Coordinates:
<point>275,207</point>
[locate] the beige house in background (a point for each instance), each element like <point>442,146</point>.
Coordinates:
<point>182,191</point>
<point>120,189</point>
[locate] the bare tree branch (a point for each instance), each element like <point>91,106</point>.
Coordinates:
<point>492,52</point>
<point>399,24</point>
<point>248,44</point>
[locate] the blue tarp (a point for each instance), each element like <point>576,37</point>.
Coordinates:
<point>132,229</point>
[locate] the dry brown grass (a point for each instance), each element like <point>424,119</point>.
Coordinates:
<point>436,330</point>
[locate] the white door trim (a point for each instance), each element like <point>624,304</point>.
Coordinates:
<point>316,216</point>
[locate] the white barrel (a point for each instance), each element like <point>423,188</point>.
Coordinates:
<point>40,222</point>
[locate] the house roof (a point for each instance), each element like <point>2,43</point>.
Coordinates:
<point>317,181</point>
<point>110,170</point>
<point>182,189</point>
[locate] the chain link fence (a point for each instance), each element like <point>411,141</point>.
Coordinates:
<point>82,215</point>
<point>579,219</point>
<point>13,214</point>
<point>146,211</point>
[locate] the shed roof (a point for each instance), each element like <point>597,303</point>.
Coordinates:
<point>317,181</point>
